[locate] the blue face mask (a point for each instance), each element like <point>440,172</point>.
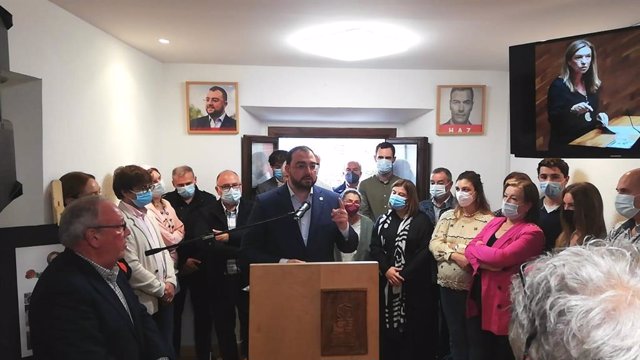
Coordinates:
<point>397,202</point>
<point>384,166</point>
<point>186,192</point>
<point>351,177</point>
<point>143,198</point>
<point>231,196</point>
<point>551,189</point>
<point>277,173</point>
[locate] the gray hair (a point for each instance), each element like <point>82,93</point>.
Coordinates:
<point>181,170</point>
<point>584,303</point>
<point>77,218</point>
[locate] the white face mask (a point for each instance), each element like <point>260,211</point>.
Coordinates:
<point>625,207</point>
<point>437,190</point>
<point>509,210</point>
<point>464,198</point>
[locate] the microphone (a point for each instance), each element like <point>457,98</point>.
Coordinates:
<point>303,209</point>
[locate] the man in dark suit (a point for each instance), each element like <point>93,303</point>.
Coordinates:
<point>216,118</point>
<point>225,278</point>
<point>311,238</point>
<point>82,306</point>
<point>276,162</point>
<point>190,203</point>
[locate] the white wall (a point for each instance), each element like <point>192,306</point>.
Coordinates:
<point>106,104</point>
<point>312,87</point>
<point>100,97</point>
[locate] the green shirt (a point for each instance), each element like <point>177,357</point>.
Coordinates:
<point>375,196</point>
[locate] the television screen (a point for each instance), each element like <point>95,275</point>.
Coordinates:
<point>577,96</point>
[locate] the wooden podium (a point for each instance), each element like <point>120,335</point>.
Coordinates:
<point>314,311</point>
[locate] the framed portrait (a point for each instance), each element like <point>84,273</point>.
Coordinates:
<point>24,254</point>
<point>212,107</point>
<point>460,110</point>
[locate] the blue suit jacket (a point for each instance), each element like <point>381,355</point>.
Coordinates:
<point>270,242</point>
<point>74,314</point>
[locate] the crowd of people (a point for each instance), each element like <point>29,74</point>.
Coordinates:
<point>447,263</point>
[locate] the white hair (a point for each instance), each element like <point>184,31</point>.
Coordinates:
<point>583,303</point>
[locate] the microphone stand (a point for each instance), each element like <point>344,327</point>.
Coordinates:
<point>213,235</point>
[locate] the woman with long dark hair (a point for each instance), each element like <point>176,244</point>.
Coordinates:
<point>581,215</point>
<point>409,321</point>
<point>455,229</point>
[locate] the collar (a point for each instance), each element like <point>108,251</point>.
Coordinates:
<point>139,213</point>
<point>445,203</point>
<point>630,224</point>
<point>293,195</point>
<point>110,275</point>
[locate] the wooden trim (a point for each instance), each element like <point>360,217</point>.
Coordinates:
<point>316,132</point>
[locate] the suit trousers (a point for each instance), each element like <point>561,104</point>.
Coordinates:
<point>196,284</point>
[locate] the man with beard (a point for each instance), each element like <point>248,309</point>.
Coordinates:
<point>312,238</point>
<point>216,118</point>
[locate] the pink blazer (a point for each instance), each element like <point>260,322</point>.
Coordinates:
<point>519,244</point>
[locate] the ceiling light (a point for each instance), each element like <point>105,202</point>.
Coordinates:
<point>164,41</point>
<point>353,41</point>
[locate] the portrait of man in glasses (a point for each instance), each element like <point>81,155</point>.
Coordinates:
<point>216,118</point>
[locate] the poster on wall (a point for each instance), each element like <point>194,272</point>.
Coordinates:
<point>460,110</point>
<point>30,264</point>
<point>212,107</point>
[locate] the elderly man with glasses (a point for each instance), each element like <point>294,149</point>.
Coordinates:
<point>582,303</point>
<point>152,277</point>
<point>82,306</point>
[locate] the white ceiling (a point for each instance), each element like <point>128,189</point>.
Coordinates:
<point>456,34</point>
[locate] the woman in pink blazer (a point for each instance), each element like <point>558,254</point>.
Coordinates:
<point>495,255</point>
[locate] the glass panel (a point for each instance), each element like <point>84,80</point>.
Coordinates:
<point>260,169</point>
<point>406,164</point>
<point>334,154</point>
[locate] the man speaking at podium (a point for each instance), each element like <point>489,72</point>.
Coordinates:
<point>312,237</point>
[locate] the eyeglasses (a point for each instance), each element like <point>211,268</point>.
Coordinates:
<point>143,188</point>
<point>227,187</point>
<point>533,331</point>
<point>122,227</point>
<point>303,165</point>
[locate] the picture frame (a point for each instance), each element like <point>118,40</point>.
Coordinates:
<point>207,111</point>
<point>24,253</point>
<point>461,110</point>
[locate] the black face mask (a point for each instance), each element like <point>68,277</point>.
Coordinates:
<point>567,216</point>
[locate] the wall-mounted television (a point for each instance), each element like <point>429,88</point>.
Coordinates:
<point>576,97</point>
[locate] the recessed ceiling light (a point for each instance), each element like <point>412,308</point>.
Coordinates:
<point>353,41</point>
<point>164,41</point>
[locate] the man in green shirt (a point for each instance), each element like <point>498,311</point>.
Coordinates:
<point>376,189</point>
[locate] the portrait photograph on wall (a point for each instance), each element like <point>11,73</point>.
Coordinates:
<point>460,110</point>
<point>212,107</point>
<point>30,264</point>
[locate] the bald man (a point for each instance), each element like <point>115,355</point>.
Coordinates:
<point>225,279</point>
<point>628,205</point>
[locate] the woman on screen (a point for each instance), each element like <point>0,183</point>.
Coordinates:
<point>572,100</point>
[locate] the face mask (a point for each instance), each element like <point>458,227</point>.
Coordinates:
<point>397,202</point>
<point>143,198</point>
<point>464,198</point>
<point>352,209</point>
<point>437,190</point>
<point>624,205</point>
<point>351,177</point>
<point>186,192</point>
<point>509,210</point>
<point>277,173</point>
<point>231,196</point>
<point>567,216</point>
<point>551,189</point>
<point>384,166</point>
<point>158,189</point>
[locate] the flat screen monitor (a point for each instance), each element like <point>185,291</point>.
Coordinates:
<point>577,97</point>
